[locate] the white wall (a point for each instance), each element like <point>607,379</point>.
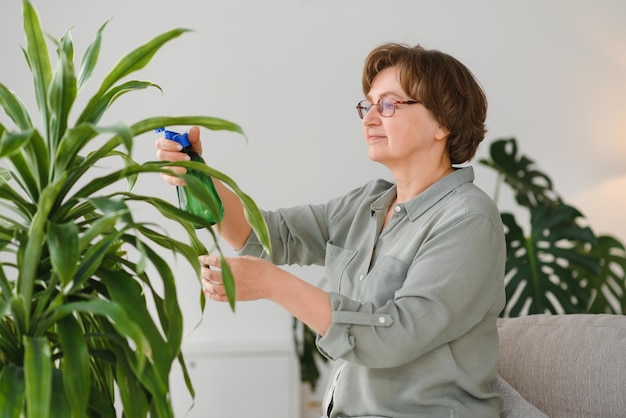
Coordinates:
<point>289,72</point>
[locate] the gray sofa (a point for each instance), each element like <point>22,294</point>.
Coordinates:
<point>569,366</point>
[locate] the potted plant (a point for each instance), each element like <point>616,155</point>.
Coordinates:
<point>75,327</point>
<point>556,263</point>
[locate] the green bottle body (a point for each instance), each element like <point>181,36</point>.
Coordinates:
<point>187,201</point>
<point>191,204</point>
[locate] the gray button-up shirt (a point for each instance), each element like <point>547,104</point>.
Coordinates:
<point>413,330</point>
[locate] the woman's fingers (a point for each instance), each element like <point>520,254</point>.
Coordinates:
<point>172,180</point>
<point>168,150</point>
<point>211,275</point>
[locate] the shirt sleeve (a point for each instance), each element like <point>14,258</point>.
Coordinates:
<point>455,280</point>
<point>298,235</point>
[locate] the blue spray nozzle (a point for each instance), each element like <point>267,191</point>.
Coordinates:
<point>182,139</point>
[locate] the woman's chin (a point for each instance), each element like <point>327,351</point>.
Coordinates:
<point>375,155</point>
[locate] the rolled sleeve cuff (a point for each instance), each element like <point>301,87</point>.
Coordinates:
<point>338,341</point>
<point>252,247</point>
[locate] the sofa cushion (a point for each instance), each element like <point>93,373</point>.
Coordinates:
<point>567,365</point>
<point>515,406</point>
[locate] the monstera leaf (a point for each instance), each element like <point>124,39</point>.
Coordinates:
<point>556,264</point>
<point>541,268</point>
<point>609,284</point>
<point>531,186</point>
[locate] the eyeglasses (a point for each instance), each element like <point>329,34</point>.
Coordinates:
<point>386,106</point>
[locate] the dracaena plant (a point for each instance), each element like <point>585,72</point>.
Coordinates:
<point>75,289</point>
<point>555,262</point>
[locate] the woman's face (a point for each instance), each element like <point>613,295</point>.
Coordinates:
<point>411,135</point>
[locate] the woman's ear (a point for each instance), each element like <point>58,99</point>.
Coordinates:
<point>441,133</point>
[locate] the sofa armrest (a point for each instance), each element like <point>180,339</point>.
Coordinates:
<point>567,365</point>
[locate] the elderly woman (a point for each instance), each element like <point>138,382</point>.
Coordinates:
<point>415,266</point>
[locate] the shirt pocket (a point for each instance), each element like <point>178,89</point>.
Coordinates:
<point>382,282</point>
<point>336,262</point>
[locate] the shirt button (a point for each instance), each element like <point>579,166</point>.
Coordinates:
<point>398,209</point>
<point>381,320</point>
<point>361,277</point>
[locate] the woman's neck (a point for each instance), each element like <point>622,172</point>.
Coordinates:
<point>412,185</point>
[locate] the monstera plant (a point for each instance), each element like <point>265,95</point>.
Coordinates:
<point>85,328</point>
<point>555,262</point>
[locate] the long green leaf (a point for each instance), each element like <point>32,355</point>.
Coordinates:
<point>15,108</point>
<point>133,61</point>
<point>17,204</point>
<point>209,122</point>
<point>128,295</point>
<point>63,245</point>
<point>59,407</point>
<point>65,44</point>
<point>138,128</point>
<point>72,142</point>
<point>15,145</point>
<point>186,377</point>
<point>100,403</point>
<point>38,157</point>
<point>139,58</point>
<point>163,239</point>
<point>229,282</point>
<point>118,317</point>
<point>98,107</point>
<point>38,57</point>
<point>12,143</point>
<point>33,248</point>
<point>61,97</point>
<point>38,376</point>
<point>100,226</point>
<point>6,290</point>
<point>77,171</point>
<point>134,399</point>
<point>90,58</point>
<point>168,308</point>
<point>12,390</point>
<point>75,365</point>
<point>93,258</point>
<point>77,138</point>
<point>251,210</point>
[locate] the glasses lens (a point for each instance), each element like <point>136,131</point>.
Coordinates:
<point>386,106</point>
<point>363,107</point>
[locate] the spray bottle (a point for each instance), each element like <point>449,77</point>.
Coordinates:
<point>186,200</point>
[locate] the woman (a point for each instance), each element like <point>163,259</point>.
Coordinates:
<point>415,267</point>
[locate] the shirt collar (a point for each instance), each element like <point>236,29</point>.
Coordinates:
<point>425,200</point>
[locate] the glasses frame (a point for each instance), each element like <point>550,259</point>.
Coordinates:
<point>363,110</point>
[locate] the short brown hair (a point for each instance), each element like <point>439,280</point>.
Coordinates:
<point>445,86</point>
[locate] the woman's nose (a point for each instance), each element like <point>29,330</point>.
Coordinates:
<point>372,117</point>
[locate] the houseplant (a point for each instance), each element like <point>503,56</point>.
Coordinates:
<point>555,262</point>
<point>75,326</point>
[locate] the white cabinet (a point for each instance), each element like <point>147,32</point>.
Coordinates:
<point>236,382</point>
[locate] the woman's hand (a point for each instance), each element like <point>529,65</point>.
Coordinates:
<point>251,274</point>
<point>168,150</point>
<point>256,278</point>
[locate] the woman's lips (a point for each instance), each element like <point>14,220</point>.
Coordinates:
<point>374,138</point>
